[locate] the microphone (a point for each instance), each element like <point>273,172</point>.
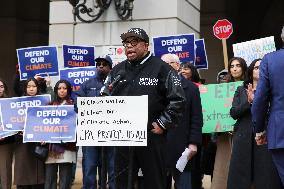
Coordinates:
<point>119,76</point>
<point>106,90</point>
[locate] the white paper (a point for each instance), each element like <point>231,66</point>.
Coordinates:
<point>112,121</point>
<point>182,161</point>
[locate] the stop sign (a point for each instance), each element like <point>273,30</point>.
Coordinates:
<point>223,29</point>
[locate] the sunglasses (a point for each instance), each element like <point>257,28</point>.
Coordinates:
<point>101,63</point>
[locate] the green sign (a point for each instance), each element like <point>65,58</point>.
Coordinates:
<point>216,102</point>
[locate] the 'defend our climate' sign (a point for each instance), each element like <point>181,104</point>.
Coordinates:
<point>4,134</point>
<point>201,61</point>
<point>181,45</point>
<point>78,56</point>
<point>37,60</point>
<point>53,124</point>
<point>13,110</point>
<point>77,76</point>
<point>216,100</point>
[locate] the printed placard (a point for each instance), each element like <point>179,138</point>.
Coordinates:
<point>53,124</point>
<point>116,54</point>
<point>4,134</point>
<point>77,76</point>
<point>201,61</point>
<point>13,110</point>
<point>78,56</point>
<point>216,100</point>
<point>181,45</point>
<point>37,60</point>
<point>112,121</point>
<point>254,49</point>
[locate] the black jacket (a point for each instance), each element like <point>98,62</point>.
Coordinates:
<point>189,130</point>
<point>153,77</point>
<point>249,163</point>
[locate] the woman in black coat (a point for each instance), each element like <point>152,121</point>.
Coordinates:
<point>250,165</point>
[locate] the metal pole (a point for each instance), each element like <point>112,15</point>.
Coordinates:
<point>103,169</point>
<point>130,167</point>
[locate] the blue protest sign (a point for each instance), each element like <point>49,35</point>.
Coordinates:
<point>78,56</point>
<point>201,61</point>
<point>77,76</point>
<point>13,110</point>
<point>37,60</point>
<point>53,124</point>
<point>181,45</point>
<point>4,134</point>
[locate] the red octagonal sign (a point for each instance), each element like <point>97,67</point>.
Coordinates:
<point>223,29</point>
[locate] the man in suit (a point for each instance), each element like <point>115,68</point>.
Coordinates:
<point>269,101</point>
<point>189,130</point>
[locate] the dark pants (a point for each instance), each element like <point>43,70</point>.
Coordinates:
<point>36,186</point>
<point>181,180</point>
<point>149,158</point>
<point>196,175</point>
<point>91,161</point>
<point>65,175</point>
<point>278,159</point>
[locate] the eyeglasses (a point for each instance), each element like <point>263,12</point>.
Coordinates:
<point>133,42</point>
<point>101,63</point>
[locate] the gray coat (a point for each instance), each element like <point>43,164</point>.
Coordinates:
<point>249,163</point>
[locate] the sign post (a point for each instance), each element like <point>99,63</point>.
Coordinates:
<point>222,30</point>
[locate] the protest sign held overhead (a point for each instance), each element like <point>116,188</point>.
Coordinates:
<point>223,29</point>
<point>77,76</point>
<point>181,45</point>
<point>78,56</point>
<point>254,49</point>
<point>53,124</point>
<point>112,121</point>
<point>201,61</point>
<point>116,54</point>
<point>37,60</point>
<point>13,110</point>
<point>216,100</point>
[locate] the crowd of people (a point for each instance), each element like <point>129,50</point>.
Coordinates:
<point>241,159</point>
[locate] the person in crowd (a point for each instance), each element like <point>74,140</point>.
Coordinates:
<point>222,76</point>
<point>17,83</point>
<point>237,70</point>
<point>250,165</point>
<point>188,134</point>
<point>190,72</point>
<point>165,106</point>
<point>28,169</point>
<point>92,154</point>
<point>60,156</point>
<point>44,84</point>
<point>268,105</point>
<point>6,149</point>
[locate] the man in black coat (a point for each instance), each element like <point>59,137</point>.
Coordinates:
<point>144,74</point>
<point>188,134</point>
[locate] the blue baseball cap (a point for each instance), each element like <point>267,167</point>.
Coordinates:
<point>105,58</point>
